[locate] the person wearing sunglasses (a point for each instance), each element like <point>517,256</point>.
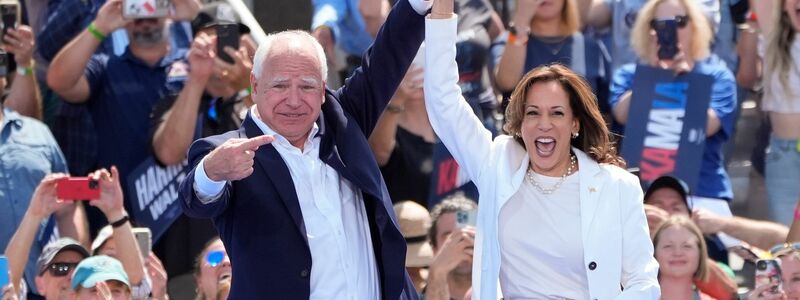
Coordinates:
<point>692,55</point>
<point>790,275</point>
<point>55,261</point>
<point>212,270</point>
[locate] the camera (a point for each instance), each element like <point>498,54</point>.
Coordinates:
<point>761,265</point>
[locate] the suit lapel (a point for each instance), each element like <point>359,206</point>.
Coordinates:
<point>591,184</point>
<point>270,162</point>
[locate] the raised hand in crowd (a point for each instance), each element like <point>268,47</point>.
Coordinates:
<point>201,59</point>
<point>109,17</point>
<point>456,250</point>
<point>324,36</point>
<point>764,293</point>
<point>157,273</point>
<point>655,216</point>
<point>9,293</point>
<point>111,204</point>
<point>185,10</point>
<point>233,160</point>
<point>24,96</point>
<point>237,74</point>
<point>43,204</point>
<point>524,13</point>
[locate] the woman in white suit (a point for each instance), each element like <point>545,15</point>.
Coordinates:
<point>558,218</point>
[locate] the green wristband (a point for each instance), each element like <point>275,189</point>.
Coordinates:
<point>96,33</point>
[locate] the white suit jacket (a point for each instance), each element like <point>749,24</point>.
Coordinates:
<point>618,252</point>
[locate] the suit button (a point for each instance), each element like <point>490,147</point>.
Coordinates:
<point>304,273</point>
<point>592,266</point>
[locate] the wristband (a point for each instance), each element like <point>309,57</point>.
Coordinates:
<point>120,222</point>
<point>395,108</point>
<point>96,33</point>
<point>24,71</point>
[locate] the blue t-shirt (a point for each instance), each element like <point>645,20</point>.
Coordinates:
<point>713,181</point>
<point>123,91</point>
<point>541,52</point>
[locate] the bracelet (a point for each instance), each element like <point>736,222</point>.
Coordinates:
<point>95,32</point>
<point>24,71</point>
<point>395,108</point>
<point>120,222</point>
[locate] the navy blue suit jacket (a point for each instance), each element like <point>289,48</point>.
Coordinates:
<point>259,218</point>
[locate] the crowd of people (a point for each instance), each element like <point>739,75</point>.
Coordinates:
<point>423,148</point>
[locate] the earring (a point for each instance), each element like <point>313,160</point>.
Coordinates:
<point>574,135</point>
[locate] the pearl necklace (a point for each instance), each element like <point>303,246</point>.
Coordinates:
<point>548,191</point>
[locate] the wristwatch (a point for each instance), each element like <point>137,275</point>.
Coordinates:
<point>514,36</point>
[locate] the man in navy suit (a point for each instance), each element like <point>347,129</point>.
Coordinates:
<point>296,194</point>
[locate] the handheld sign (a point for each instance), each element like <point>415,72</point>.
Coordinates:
<point>665,133</point>
<point>154,193</point>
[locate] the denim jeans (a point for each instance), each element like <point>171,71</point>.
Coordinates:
<point>783,179</point>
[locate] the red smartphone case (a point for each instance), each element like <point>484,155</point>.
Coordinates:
<point>77,188</point>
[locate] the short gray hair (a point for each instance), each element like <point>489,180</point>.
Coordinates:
<point>265,47</point>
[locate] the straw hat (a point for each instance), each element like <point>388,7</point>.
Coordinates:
<point>414,224</point>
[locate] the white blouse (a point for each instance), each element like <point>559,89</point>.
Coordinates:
<point>777,97</point>
<point>541,250</point>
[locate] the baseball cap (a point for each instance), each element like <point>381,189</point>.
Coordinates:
<point>96,269</point>
<point>54,248</point>
<point>101,238</point>
<point>414,223</point>
<point>215,14</point>
<point>669,182</point>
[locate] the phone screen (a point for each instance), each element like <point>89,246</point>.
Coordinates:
<point>667,34</point>
<point>3,271</point>
<point>143,238</point>
<point>227,35</point>
<point>9,13</point>
<point>768,272</point>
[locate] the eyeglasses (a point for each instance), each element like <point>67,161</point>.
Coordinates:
<point>60,269</point>
<point>215,258</point>
<point>783,249</point>
<point>681,21</point>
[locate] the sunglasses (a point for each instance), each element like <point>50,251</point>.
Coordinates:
<point>215,258</point>
<point>60,269</point>
<point>681,21</point>
<point>783,249</point>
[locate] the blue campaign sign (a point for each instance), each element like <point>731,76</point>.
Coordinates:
<point>154,194</point>
<point>665,132</point>
<point>448,177</point>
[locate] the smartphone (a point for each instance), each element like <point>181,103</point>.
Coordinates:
<point>78,188</point>
<point>4,281</point>
<point>466,218</point>
<point>144,239</point>
<point>227,36</point>
<point>10,15</point>
<point>746,252</point>
<point>3,63</point>
<point>667,34</point>
<point>144,9</point>
<point>768,272</point>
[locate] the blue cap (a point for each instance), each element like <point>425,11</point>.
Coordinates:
<point>96,269</point>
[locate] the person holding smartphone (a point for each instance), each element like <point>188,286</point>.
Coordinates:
<point>558,216</point>
<point>789,256</point>
<point>675,35</point>
<point>450,272</point>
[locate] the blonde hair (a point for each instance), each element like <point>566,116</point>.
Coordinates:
<point>684,222</point>
<point>700,44</point>
<point>778,50</point>
<point>593,138</point>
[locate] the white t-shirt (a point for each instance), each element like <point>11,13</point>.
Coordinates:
<point>777,97</point>
<point>541,249</point>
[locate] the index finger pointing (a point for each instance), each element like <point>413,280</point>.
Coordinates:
<point>254,143</point>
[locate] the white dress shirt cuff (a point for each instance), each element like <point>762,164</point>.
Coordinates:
<point>207,190</point>
<point>421,6</point>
